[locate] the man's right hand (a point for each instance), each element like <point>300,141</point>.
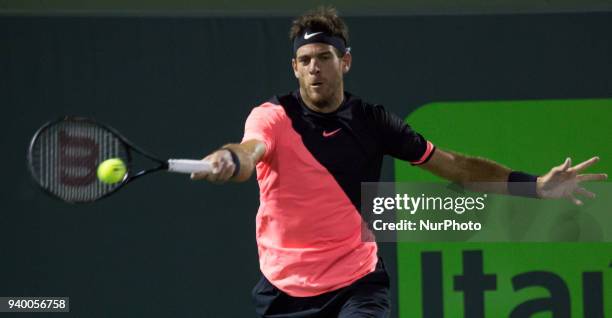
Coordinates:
<point>222,167</point>
<point>248,154</point>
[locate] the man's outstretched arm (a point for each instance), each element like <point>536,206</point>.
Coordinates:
<point>481,174</point>
<point>234,162</point>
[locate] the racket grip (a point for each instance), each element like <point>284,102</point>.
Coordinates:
<point>188,166</point>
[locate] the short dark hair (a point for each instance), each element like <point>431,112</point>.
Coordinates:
<point>324,19</point>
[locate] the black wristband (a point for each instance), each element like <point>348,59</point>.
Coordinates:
<point>522,184</point>
<point>236,162</point>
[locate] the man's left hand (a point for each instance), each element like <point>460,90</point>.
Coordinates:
<point>564,181</point>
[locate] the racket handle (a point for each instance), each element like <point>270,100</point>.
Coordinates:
<point>188,166</point>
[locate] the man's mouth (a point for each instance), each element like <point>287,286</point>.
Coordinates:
<point>316,84</point>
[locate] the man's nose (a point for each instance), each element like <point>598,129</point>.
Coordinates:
<point>313,67</point>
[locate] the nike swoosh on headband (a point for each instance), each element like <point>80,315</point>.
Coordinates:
<point>308,36</point>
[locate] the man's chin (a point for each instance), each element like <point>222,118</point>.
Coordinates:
<point>318,98</point>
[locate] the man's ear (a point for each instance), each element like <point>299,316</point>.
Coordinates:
<point>347,59</point>
<point>294,66</point>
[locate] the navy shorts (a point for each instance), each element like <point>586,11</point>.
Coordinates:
<point>367,297</point>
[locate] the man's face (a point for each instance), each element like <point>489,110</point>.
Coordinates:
<point>319,71</point>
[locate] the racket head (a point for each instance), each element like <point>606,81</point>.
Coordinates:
<point>64,155</point>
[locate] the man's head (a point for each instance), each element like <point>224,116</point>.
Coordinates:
<point>321,57</point>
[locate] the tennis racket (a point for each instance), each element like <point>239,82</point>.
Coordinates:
<point>64,155</point>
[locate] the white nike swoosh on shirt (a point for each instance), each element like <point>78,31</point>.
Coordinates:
<point>308,36</point>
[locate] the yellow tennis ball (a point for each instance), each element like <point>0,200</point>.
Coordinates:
<point>111,171</point>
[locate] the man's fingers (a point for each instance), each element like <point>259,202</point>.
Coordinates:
<point>574,200</point>
<point>585,192</point>
<point>583,165</point>
<point>591,177</point>
<point>218,171</point>
<point>227,172</point>
<point>199,175</point>
<point>566,165</point>
<point>222,167</point>
<point>217,165</point>
<point>222,171</point>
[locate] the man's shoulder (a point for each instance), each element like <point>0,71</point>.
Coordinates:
<point>269,110</point>
<point>278,100</point>
<point>367,108</point>
<point>287,99</point>
<point>356,100</point>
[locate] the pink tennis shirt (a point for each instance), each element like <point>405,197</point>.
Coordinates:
<point>308,227</point>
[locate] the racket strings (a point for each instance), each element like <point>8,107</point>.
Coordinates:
<point>65,156</point>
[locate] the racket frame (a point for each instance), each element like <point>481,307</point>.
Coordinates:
<point>129,146</point>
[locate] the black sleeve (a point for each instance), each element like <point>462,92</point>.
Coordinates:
<point>398,139</point>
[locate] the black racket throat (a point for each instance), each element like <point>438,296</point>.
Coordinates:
<point>131,177</point>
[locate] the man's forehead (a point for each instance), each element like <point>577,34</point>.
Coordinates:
<point>314,49</point>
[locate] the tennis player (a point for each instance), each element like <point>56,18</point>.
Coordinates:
<point>311,149</point>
